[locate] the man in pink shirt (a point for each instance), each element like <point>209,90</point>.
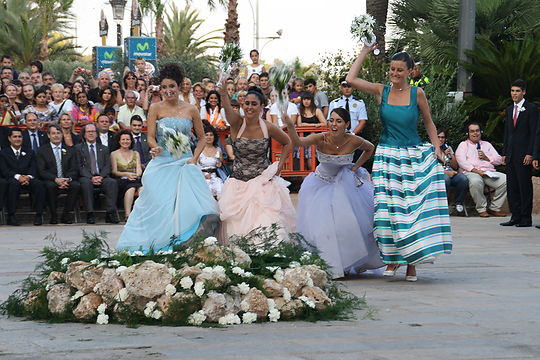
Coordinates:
<point>477,159</point>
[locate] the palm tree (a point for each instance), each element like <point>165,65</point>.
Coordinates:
<point>179,34</point>
<point>379,10</point>
<point>52,15</point>
<point>22,34</point>
<point>156,7</point>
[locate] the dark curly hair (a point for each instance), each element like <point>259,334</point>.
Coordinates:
<point>254,90</point>
<point>173,72</point>
<point>209,128</point>
<point>344,114</point>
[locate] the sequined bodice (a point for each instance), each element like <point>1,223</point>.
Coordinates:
<point>331,165</point>
<point>129,166</point>
<point>251,157</point>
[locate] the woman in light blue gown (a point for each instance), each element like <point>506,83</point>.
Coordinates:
<point>335,203</point>
<point>175,202</point>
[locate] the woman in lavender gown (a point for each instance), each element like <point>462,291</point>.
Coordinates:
<point>335,203</point>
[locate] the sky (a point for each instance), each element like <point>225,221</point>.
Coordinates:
<point>310,27</point>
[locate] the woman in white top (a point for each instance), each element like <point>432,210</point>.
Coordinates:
<point>59,103</point>
<point>275,112</point>
<point>185,92</point>
<point>255,67</point>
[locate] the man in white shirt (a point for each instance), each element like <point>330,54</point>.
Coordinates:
<point>126,112</point>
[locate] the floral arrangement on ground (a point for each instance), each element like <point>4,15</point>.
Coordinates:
<point>203,283</point>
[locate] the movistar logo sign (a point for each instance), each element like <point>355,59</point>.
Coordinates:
<point>142,47</point>
<point>108,55</point>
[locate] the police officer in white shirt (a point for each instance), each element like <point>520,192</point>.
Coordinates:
<point>356,107</point>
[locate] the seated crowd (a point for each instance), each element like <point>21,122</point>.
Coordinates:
<point>85,137</point>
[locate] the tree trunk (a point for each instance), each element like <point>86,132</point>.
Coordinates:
<point>160,38</point>
<point>232,32</point>
<point>44,48</point>
<point>379,10</point>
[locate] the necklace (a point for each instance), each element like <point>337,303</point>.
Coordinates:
<point>337,146</point>
<point>401,89</point>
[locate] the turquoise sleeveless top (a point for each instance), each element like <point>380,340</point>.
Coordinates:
<point>400,122</point>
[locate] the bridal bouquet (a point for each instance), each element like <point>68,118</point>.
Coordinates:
<point>177,143</point>
<point>229,57</point>
<point>362,29</point>
<point>280,75</point>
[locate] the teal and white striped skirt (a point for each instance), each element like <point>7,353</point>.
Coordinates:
<point>412,224</point>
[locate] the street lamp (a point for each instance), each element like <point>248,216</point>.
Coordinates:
<point>270,38</point>
<point>118,7</point>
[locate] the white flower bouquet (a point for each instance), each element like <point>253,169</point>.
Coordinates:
<point>280,75</point>
<point>230,55</point>
<point>176,142</point>
<point>362,28</point>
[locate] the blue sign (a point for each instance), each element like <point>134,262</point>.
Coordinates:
<point>141,47</point>
<point>106,56</point>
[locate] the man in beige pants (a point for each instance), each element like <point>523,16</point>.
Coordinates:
<point>477,159</point>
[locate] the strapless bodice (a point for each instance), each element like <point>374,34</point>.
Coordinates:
<point>331,167</point>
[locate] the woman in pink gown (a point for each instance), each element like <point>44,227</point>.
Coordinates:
<point>254,195</point>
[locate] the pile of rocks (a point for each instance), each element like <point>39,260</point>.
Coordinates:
<point>207,293</point>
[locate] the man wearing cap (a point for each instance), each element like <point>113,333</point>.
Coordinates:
<point>417,79</point>
<point>355,107</point>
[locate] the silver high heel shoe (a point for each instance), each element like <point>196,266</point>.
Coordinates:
<point>391,272</point>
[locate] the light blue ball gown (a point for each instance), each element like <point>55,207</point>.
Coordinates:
<point>174,201</point>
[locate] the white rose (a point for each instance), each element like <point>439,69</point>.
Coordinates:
<point>208,269</point>
<point>249,317</point>
<point>209,241</point>
<point>279,275</point>
<point>77,295</point>
<point>244,305</point>
<point>102,264</point>
<point>120,269</point>
<point>244,288</point>
<point>274,315</point>
<point>186,282</point>
<point>94,262</point>
<point>156,314</point>
<point>102,319</point>
<point>148,312</point>
<point>197,318</point>
<point>170,289</point>
<point>247,274</point>
<point>172,271</point>
<point>272,268</point>
<point>122,295</point>
<point>199,288</point>
<point>219,269</point>
<point>114,263</point>
<point>271,304</point>
<point>238,271</point>
<point>286,294</point>
<point>137,253</point>
<point>101,308</point>
<point>64,261</point>
<point>294,264</point>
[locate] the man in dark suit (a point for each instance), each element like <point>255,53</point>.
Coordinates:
<point>95,170</point>
<point>519,133</point>
<point>18,166</point>
<point>32,137</point>
<point>536,156</point>
<point>106,137</point>
<point>58,168</point>
<point>140,140</point>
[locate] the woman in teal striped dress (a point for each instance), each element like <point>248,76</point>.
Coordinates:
<point>412,225</point>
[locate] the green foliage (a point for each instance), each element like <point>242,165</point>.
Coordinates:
<point>62,69</point>
<point>429,28</point>
<point>23,24</point>
<point>494,68</point>
<point>181,39</point>
<point>195,69</point>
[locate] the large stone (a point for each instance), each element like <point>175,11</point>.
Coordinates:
<point>215,279</point>
<point>58,297</point>
<point>190,271</point>
<point>83,276</point>
<point>87,306</point>
<point>31,299</point>
<point>212,253</point>
<point>317,295</point>
<point>109,285</point>
<point>232,303</point>
<point>272,288</point>
<point>137,302</point>
<point>288,309</point>
<point>147,279</point>
<point>241,257</point>
<point>295,279</point>
<point>319,276</point>
<point>214,306</point>
<point>258,303</point>
<point>56,277</point>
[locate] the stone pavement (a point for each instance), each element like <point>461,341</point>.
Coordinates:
<point>482,302</point>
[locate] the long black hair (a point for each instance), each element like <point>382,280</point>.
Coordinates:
<point>207,105</point>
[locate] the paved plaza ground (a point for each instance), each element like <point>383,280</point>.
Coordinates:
<point>482,302</point>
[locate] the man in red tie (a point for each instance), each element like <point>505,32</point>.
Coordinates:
<point>519,132</point>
